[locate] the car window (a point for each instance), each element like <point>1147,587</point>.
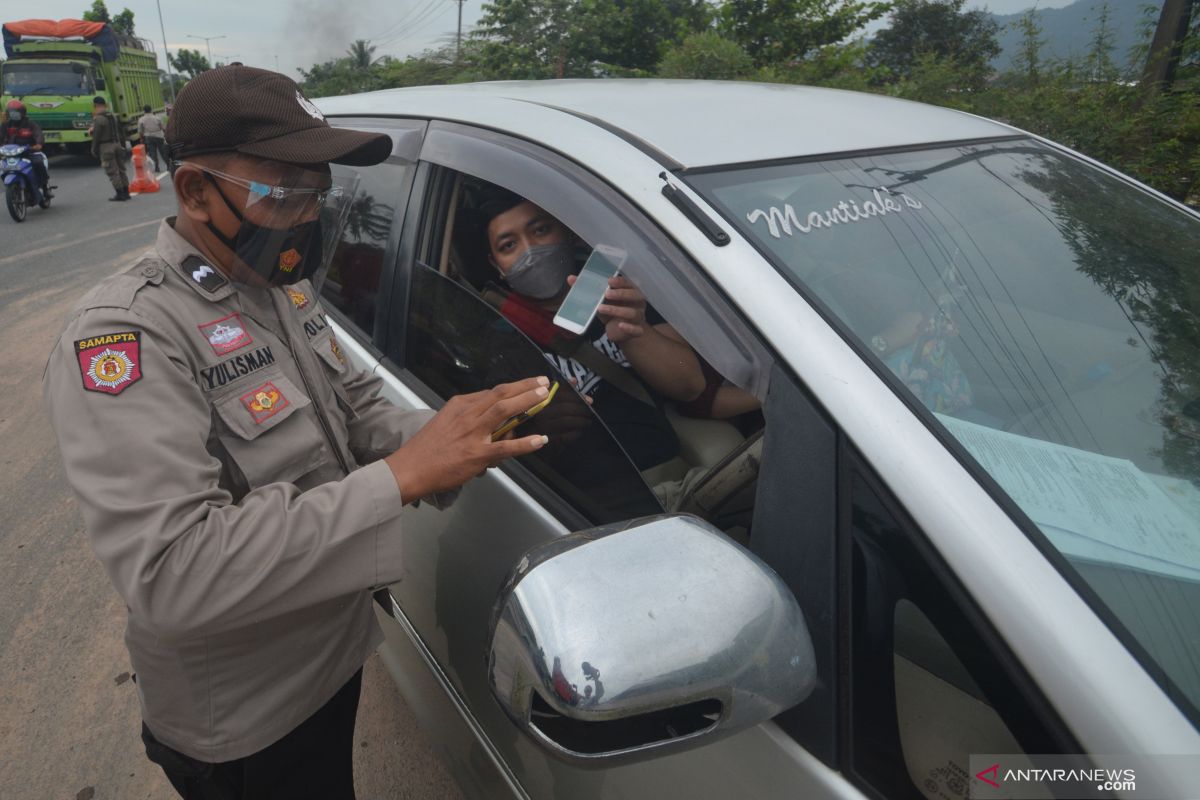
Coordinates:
<point>1047,313</point>
<point>926,689</point>
<point>457,343</point>
<point>358,272</point>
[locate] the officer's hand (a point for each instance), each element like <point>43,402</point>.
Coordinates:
<point>456,445</point>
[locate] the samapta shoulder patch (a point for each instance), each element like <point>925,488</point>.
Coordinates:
<point>110,363</point>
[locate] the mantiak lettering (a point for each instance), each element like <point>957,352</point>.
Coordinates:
<point>108,338</point>
<point>234,368</point>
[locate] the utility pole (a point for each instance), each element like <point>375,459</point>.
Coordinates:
<point>207,46</point>
<point>458,39</point>
<point>1167,45</point>
<point>166,53</point>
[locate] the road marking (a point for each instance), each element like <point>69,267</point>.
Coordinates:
<point>160,176</point>
<point>63,245</point>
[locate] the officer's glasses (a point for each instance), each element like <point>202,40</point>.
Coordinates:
<point>291,200</point>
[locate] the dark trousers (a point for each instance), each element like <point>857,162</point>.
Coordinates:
<point>314,761</point>
<point>156,151</point>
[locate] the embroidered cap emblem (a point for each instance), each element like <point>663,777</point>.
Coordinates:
<point>309,107</point>
<point>226,334</point>
<point>110,363</point>
<point>298,298</point>
<point>264,402</point>
<point>288,260</point>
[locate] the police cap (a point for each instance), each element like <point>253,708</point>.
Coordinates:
<point>264,114</point>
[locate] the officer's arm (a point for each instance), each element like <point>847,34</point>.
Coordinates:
<point>185,558</point>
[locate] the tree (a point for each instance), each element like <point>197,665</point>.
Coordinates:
<point>782,31</point>
<point>580,38</point>
<point>707,56</point>
<point>941,29</point>
<point>189,62</point>
<point>361,54</point>
<point>98,12</point>
<point>1028,60</point>
<point>529,39</point>
<point>123,22</point>
<point>1100,65</point>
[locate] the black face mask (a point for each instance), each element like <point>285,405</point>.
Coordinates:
<point>279,255</point>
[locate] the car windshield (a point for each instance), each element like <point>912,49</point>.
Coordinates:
<point>1047,313</point>
<point>45,79</point>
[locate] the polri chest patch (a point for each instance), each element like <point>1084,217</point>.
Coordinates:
<point>264,402</point>
<point>226,334</point>
<point>298,298</point>
<point>110,363</point>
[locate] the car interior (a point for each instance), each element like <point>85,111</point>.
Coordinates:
<point>715,472</point>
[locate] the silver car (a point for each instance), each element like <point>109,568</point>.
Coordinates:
<point>953,536</point>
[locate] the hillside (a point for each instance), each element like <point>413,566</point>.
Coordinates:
<point>1068,31</point>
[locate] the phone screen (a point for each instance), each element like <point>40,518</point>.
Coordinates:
<point>581,302</point>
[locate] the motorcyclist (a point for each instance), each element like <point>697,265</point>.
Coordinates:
<point>18,128</point>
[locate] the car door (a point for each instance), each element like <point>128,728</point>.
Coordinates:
<point>441,340</point>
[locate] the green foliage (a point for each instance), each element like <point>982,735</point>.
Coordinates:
<point>123,22</point>
<point>97,13</point>
<point>781,31</point>
<point>935,36</point>
<point>189,62</point>
<point>933,51</point>
<point>707,56</point>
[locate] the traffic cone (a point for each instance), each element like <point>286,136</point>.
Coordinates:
<point>143,179</point>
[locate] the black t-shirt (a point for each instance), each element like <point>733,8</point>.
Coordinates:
<point>643,430</point>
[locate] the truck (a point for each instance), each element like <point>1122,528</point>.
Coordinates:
<point>56,67</point>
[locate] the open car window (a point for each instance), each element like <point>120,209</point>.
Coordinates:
<point>457,343</point>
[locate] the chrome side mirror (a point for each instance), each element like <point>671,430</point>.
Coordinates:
<point>619,642</point>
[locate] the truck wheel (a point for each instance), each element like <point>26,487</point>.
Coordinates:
<point>15,196</point>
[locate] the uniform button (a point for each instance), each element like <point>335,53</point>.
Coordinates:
<point>150,272</point>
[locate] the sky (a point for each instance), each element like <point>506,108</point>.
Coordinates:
<point>287,34</point>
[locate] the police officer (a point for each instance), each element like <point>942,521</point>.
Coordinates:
<point>242,484</point>
<point>18,128</point>
<point>108,145</point>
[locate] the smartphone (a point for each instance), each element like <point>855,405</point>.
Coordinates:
<point>579,306</point>
<point>517,419</point>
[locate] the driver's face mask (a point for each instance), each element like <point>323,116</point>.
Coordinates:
<point>14,116</point>
<point>540,273</point>
<point>298,224</point>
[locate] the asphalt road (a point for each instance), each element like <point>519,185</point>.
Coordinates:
<point>69,718</point>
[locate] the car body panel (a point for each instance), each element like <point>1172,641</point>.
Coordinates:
<point>695,123</point>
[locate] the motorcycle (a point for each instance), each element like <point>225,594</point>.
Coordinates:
<point>21,188</point>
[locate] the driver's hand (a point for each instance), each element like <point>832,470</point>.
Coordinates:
<point>456,444</point>
<point>623,311</point>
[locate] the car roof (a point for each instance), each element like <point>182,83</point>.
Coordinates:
<point>693,123</point>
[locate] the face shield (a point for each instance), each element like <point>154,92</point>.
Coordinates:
<point>291,221</point>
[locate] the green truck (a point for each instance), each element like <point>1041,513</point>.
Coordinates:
<point>56,68</point>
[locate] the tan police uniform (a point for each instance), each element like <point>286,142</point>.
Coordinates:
<point>108,143</point>
<point>215,437</point>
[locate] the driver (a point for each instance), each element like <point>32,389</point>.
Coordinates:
<point>20,129</point>
<point>627,362</point>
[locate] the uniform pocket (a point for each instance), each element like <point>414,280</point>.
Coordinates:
<point>267,435</point>
<point>329,350</point>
